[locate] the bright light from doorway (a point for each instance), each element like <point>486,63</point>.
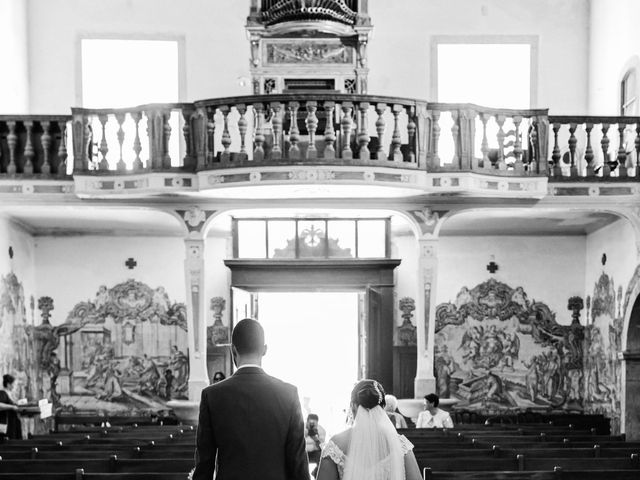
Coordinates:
<point>312,342</point>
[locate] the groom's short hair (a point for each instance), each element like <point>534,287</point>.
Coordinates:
<point>248,336</point>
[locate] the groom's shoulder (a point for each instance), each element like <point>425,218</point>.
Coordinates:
<point>282,385</point>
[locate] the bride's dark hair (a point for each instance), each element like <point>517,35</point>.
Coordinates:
<point>368,394</point>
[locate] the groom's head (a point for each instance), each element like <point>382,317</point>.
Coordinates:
<point>247,342</point>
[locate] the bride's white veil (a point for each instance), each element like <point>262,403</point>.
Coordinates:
<point>375,452</point>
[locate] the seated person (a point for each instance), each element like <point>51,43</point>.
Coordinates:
<point>392,412</point>
<point>10,425</point>
<point>314,436</point>
<point>432,416</point>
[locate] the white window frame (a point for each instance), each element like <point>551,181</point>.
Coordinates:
<point>531,40</point>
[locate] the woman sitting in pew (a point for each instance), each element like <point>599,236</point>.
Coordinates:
<point>432,416</point>
<point>9,421</point>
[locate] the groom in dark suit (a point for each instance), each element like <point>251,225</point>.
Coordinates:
<point>250,424</point>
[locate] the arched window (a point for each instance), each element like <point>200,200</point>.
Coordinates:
<point>629,93</point>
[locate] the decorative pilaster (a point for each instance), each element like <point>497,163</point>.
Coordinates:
<point>425,314</point>
<point>194,268</point>
<point>194,275</point>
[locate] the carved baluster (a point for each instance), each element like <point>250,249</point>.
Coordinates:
<point>622,153</point>
<point>276,126</point>
<point>294,132</point>
<point>45,141</point>
<point>137,145</point>
<point>517,145</point>
<point>573,169</point>
<point>484,146</point>
<point>166,158</point>
<point>258,139</point>
<point>501,164</point>
<point>604,143</point>
<point>29,153</point>
<point>189,161</point>
<point>455,133</point>
<point>12,142</point>
<point>555,155</point>
<point>346,124</point>
<point>435,130</point>
<point>226,136</point>
<point>534,152</point>
<point>588,152</point>
<point>637,145</point>
<point>120,116</point>
<point>242,128</point>
<point>329,132</point>
<point>312,125</point>
<point>363,133</point>
<point>380,109</point>
<point>411,132</point>
<point>62,149</point>
<point>396,138</point>
<point>104,147</point>
<point>211,130</point>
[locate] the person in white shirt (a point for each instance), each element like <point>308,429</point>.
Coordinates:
<point>432,416</point>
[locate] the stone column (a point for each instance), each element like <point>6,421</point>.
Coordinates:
<point>196,309</point>
<point>425,315</point>
<point>195,220</point>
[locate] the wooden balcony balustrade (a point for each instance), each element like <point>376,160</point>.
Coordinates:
<point>588,147</point>
<point>322,129</point>
<point>33,145</point>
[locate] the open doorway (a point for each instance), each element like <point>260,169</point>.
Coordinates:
<point>632,374</point>
<point>312,342</point>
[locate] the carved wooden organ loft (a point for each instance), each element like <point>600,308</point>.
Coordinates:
<point>309,45</point>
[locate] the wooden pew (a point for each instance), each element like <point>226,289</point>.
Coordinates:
<point>111,465</point>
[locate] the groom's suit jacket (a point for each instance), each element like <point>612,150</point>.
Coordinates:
<point>253,423</point>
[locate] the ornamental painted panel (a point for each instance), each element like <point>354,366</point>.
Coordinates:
<point>603,374</point>
<point>308,52</point>
<point>498,351</point>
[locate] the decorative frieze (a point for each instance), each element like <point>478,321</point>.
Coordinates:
<point>308,52</point>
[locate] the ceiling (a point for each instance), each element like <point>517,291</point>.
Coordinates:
<point>88,220</point>
<point>541,222</point>
<point>140,221</point>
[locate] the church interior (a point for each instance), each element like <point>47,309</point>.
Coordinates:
<point>442,195</point>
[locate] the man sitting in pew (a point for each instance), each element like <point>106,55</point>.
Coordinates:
<point>432,416</point>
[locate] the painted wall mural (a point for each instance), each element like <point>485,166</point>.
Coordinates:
<point>17,339</point>
<point>123,351</point>
<point>126,349</point>
<point>497,350</point>
<point>603,376</point>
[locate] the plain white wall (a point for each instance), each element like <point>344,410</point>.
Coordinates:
<point>217,51</point>
<point>14,81</point>
<point>399,53</point>
<point>614,40</point>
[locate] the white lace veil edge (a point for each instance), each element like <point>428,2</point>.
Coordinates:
<point>375,452</point>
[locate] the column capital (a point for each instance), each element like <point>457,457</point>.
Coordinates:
<point>428,221</point>
<point>194,219</point>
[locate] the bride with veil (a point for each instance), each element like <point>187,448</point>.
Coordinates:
<point>371,449</point>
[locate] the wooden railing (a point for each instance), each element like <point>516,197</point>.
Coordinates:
<point>33,145</point>
<point>467,137</point>
<point>594,147</point>
<point>322,129</point>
